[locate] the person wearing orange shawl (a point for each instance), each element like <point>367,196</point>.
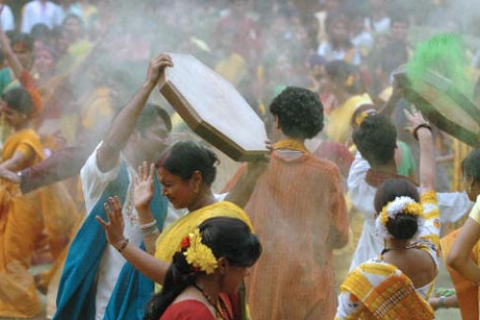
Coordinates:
<point>463,255</point>
<point>299,213</point>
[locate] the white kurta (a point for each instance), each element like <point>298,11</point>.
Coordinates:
<point>94,183</point>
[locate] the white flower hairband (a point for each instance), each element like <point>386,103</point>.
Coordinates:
<point>405,205</point>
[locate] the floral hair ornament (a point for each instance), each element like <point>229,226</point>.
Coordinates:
<point>405,205</point>
<point>198,255</point>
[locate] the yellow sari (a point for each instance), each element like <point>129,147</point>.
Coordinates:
<point>339,128</point>
<point>24,220</point>
<point>169,240</point>
<point>20,225</point>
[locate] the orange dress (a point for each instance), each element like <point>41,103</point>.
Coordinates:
<point>300,215</point>
<point>24,220</point>
<point>20,225</point>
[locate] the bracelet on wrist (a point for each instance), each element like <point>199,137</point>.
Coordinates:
<point>422,125</point>
<point>149,228</point>
<point>123,245</point>
<point>148,225</point>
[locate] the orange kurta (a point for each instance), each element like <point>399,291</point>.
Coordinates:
<point>20,224</point>
<point>299,213</point>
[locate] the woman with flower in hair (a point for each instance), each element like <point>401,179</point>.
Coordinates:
<point>186,171</point>
<point>211,262</point>
<point>398,283</point>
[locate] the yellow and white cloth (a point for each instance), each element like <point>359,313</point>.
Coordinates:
<point>379,290</point>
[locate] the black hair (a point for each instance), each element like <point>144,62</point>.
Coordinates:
<point>148,117</point>
<point>24,38</point>
<point>376,139</point>
<point>185,157</point>
<point>73,16</point>
<point>41,31</point>
<point>403,226</point>
<point>230,238</point>
<point>18,99</point>
<point>339,71</point>
<point>299,112</point>
<point>471,165</point>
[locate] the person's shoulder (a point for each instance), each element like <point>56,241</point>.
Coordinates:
<point>187,310</point>
<point>322,165</point>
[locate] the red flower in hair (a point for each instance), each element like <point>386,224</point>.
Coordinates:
<point>185,242</point>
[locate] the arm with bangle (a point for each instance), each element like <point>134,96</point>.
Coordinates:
<point>144,262</point>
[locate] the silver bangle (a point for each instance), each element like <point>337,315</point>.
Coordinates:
<point>148,225</point>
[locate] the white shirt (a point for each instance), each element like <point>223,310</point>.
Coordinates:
<point>452,207</point>
<point>325,50</point>
<point>6,18</point>
<point>94,183</point>
<point>35,12</point>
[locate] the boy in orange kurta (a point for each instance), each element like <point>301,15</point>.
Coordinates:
<point>299,213</point>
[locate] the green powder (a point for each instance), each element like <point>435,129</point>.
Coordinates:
<point>443,54</point>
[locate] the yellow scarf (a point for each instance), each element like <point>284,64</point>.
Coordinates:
<point>168,242</point>
<point>291,145</point>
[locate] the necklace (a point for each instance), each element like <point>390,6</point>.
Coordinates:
<point>129,207</point>
<point>409,246</point>
<point>221,310</point>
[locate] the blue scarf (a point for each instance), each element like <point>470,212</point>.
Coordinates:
<point>78,284</point>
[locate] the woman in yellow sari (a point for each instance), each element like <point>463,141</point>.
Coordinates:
<point>20,220</point>
<point>187,171</point>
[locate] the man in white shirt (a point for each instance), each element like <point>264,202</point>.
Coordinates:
<point>139,133</point>
<point>40,11</point>
<point>6,17</point>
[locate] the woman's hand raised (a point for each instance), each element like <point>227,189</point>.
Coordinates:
<point>114,225</point>
<point>143,189</point>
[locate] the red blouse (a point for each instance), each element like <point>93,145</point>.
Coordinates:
<point>187,310</point>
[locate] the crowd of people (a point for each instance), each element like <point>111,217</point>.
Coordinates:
<point>104,186</point>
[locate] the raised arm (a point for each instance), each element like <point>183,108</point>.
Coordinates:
<point>243,189</point>
<point>124,123</point>
<point>145,263</point>
<point>423,133</point>
<point>10,56</point>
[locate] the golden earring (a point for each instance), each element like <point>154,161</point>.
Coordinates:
<point>196,189</point>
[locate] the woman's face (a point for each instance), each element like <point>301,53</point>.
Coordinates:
<point>44,61</point>
<point>13,117</point>
<point>233,278</point>
<point>180,193</point>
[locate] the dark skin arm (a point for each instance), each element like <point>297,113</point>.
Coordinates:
<point>124,124</point>
<point>152,268</point>
<point>10,56</point>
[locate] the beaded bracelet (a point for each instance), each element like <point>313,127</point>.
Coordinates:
<point>123,246</point>
<point>422,125</point>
